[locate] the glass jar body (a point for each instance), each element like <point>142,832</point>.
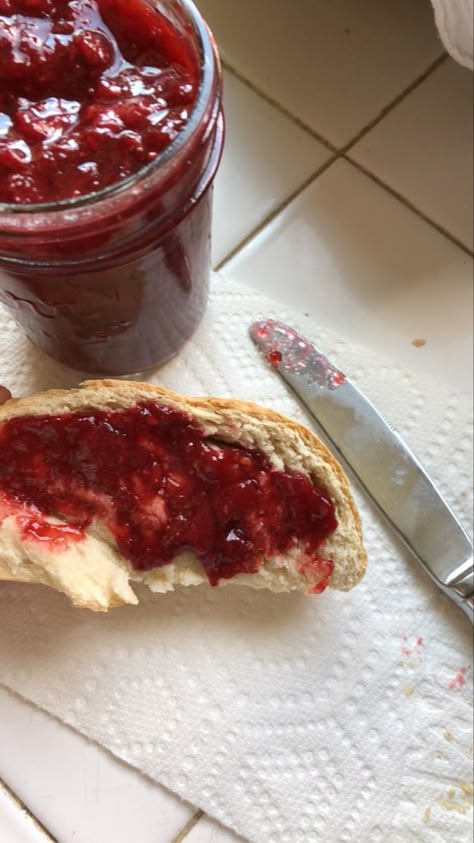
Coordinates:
<point>115,284</point>
<point>122,319</point>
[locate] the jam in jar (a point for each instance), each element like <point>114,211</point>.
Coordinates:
<point>111,132</point>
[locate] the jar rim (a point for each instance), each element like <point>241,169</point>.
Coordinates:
<point>207,66</point>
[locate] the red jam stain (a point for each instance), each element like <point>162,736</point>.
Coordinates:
<point>56,535</point>
<point>161,487</point>
<point>274,357</point>
<point>405,649</point>
<point>90,92</point>
<point>459,680</point>
<point>338,378</point>
<point>322,569</point>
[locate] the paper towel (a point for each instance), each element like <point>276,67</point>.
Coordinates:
<point>344,717</point>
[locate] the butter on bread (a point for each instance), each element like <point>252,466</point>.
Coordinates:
<point>93,573</point>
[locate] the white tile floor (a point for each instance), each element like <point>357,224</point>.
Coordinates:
<point>256,175</point>
<point>424,149</point>
<point>15,823</point>
<point>334,65</point>
<point>345,189</point>
<point>35,761</point>
<point>357,259</point>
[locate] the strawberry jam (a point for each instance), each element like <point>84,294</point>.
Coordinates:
<point>161,487</point>
<point>111,133</point>
<point>90,92</point>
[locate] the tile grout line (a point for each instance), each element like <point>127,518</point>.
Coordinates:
<point>337,155</point>
<point>25,810</point>
<point>309,181</point>
<point>365,129</point>
<point>393,103</point>
<point>276,211</point>
<point>408,204</point>
<point>279,107</point>
<point>188,827</point>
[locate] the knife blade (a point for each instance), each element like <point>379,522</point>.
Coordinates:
<point>386,468</point>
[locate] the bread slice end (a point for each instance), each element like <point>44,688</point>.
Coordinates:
<point>94,575</point>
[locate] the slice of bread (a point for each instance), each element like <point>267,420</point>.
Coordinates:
<point>94,574</point>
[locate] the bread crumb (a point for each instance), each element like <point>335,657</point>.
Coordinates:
<point>460,807</point>
<point>427,816</point>
<point>447,735</point>
<point>464,791</point>
<point>418,342</point>
<point>409,691</point>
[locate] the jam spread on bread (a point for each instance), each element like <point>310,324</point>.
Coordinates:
<point>55,535</point>
<point>161,487</point>
<point>91,91</point>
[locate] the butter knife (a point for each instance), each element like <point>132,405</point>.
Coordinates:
<point>388,471</point>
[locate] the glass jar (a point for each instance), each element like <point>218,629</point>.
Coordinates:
<point>116,281</point>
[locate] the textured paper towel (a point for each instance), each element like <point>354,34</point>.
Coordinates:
<point>292,720</point>
<point>454,19</point>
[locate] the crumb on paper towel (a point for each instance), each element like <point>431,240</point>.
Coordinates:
<point>448,805</point>
<point>458,799</point>
<point>447,735</point>
<point>409,691</point>
<point>427,815</point>
<point>459,680</point>
<point>418,342</point>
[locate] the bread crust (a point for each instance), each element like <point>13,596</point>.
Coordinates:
<point>287,443</point>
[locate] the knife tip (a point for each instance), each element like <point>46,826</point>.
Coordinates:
<point>288,351</point>
<point>260,330</point>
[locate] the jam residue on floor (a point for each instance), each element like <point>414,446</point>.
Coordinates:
<point>90,92</point>
<point>162,487</point>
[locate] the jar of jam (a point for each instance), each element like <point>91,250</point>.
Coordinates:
<point>111,132</point>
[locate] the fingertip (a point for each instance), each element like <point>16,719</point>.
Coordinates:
<point>5,394</point>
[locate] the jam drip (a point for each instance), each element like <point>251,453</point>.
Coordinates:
<point>90,92</point>
<point>162,487</point>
